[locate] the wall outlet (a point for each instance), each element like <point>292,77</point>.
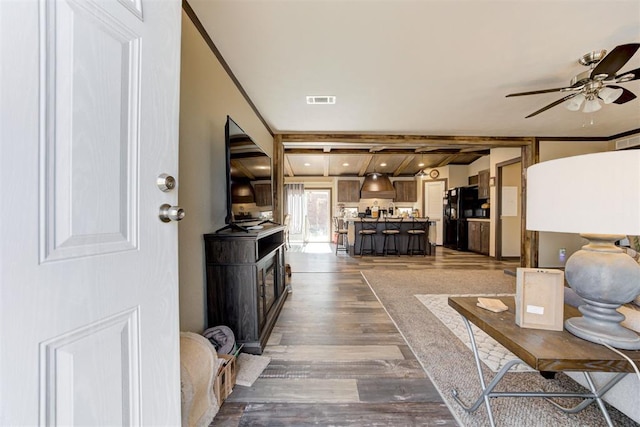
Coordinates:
<point>562,253</point>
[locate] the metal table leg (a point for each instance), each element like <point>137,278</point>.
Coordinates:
<point>595,393</point>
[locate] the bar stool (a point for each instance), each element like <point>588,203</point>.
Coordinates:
<point>342,234</point>
<point>369,230</point>
<point>391,230</point>
<point>417,231</point>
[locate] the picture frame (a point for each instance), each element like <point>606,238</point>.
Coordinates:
<point>540,298</point>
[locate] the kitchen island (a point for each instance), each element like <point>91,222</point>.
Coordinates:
<point>355,225</point>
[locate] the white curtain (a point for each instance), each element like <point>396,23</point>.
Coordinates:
<point>294,196</point>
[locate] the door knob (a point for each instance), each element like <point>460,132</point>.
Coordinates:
<point>171,213</point>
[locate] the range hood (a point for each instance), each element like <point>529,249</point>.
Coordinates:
<point>242,192</point>
<point>377,186</point>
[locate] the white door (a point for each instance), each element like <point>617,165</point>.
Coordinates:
<point>89,330</point>
<point>433,208</point>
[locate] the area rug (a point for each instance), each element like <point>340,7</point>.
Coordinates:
<point>491,352</point>
<point>250,367</point>
<point>450,364</point>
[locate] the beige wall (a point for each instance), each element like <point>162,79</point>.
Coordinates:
<point>458,175</point>
<point>207,96</point>
<point>479,165</point>
<point>551,243</point>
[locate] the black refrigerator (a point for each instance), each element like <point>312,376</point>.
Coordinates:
<point>459,204</point>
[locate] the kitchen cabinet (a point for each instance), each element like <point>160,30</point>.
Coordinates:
<point>405,191</point>
<point>348,191</point>
<point>484,238</point>
<point>263,194</point>
<point>483,184</point>
<point>246,283</point>
<point>478,236</point>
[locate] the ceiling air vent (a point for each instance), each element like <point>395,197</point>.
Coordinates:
<point>321,99</point>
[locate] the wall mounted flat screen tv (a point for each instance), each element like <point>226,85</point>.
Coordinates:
<point>249,179</point>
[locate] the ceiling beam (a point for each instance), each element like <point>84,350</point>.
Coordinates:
<point>406,162</point>
<point>430,148</point>
<point>365,151</point>
<point>496,141</point>
<point>475,149</point>
<point>365,165</point>
<point>287,167</point>
<point>238,165</point>
<point>445,161</point>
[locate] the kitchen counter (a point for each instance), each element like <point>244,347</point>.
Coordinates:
<point>355,225</point>
<point>382,220</point>
<point>479,219</point>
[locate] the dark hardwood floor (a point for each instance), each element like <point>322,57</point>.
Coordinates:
<point>337,358</point>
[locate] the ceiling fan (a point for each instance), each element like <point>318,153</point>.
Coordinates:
<point>599,82</point>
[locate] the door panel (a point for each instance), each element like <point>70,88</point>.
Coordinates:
<point>88,273</point>
<point>318,215</point>
<point>75,376</point>
<point>433,207</point>
<point>90,137</point>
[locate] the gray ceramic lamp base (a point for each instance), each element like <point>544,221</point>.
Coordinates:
<point>601,324</point>
<point>605,278</point>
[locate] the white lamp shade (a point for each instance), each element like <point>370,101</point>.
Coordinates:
<point>575,103</point>
<point>593,193</point>
<point>591,106</point>
<point>608,95</point>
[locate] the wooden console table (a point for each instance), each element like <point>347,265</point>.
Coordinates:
<point>246,284</point>
<point>543,350</point>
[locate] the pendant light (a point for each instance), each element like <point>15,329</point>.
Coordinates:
<point>421,166</point>
<point>377,186</point>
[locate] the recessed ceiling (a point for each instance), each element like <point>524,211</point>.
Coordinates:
<point>422,67</point>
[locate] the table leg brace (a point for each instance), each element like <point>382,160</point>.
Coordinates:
<point>595,394</point>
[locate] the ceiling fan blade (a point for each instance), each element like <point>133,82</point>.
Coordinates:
<point>626,96</point>
<point>615,60</point>
<point>535,92</point>
<point>553,104</point>
<point>636,76</point>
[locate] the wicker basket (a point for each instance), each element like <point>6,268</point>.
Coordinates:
<point>226,378</point>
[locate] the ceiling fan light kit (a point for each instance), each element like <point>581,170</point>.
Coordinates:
<point>591,106</point>
<point>609,95</point>
<point>598,83</point>
<point>575,103</point>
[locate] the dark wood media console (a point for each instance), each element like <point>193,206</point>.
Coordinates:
<point>246,282</point>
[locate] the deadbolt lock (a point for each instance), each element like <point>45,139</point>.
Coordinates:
<point>166,182</point>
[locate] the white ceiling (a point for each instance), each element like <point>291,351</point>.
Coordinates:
<point>422,67</point>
